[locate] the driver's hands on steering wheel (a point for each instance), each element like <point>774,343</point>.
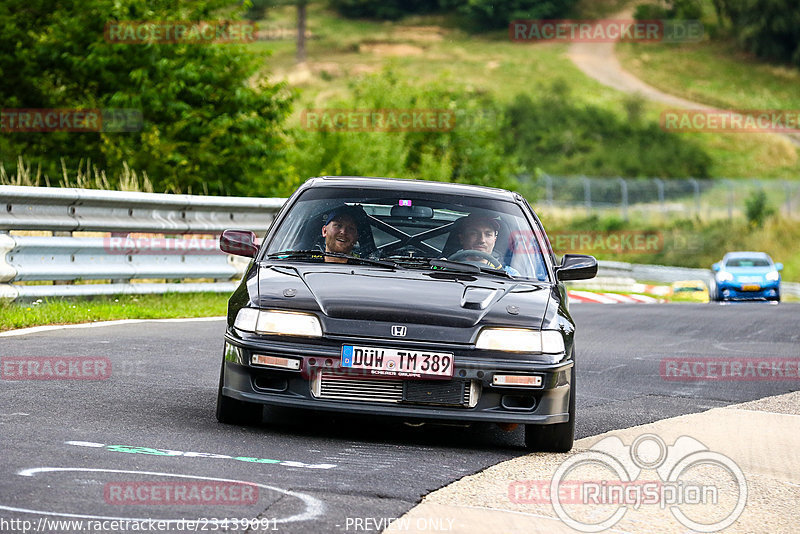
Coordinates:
<point>468,256</point>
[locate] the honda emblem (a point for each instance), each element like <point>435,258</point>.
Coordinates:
<point>398,330</point>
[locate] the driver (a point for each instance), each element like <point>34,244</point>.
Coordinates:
<point>340,232</point>
<point>479,232</point>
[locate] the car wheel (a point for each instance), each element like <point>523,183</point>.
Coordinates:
<point>232,411</point>
<point>557,437</point>
<point>713,294</point>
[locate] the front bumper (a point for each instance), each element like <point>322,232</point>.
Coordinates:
<point>469,396</point>
<point>735,292</point>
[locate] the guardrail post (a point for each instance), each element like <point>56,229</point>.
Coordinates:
<point>696,186</point>
<point>624,192</point>
<point>788,191</point>
<point>548,189</point>
<point>587,194</point>
<point>63,234</point>
<point>730,199</point>
<point>660,185</point>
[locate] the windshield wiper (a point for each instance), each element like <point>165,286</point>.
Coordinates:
<point>319,254</point>
<point>438,263</point>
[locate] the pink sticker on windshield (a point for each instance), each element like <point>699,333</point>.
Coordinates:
<point>404,202</point>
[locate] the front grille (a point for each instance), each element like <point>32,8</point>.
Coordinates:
<point>436,391</point>
<point>344,387</point>
<point>328,385</point>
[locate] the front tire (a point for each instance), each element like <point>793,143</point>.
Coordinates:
<point>235,412</point>
<point>558,437</point>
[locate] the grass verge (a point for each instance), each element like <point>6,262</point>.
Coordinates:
<point>84,310</point>
<point>713,73</point>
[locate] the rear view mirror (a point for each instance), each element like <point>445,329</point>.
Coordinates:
<point>239,242</point>
<point>416,212</point>
<point>715,267</point>
<point>577,267</point>
<point>778,266</point>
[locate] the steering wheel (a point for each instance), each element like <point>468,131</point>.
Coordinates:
<point>463,255</point>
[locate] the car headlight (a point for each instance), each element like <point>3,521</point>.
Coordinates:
<point>521,340</point>
<point>773,276</point>
<point>723,276</point>
<point>281,323</point>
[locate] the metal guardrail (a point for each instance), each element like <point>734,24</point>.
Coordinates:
<point>123,260</point>
<point>119,257</point>
<point>651,273</point>
<point>81,210</point>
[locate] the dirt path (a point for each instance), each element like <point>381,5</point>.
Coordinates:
<point>598,61</point>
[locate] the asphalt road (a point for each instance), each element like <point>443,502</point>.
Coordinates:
<point>68,444</point>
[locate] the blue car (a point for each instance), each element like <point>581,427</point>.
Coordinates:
<point>746,276</point>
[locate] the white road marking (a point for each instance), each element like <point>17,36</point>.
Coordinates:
<point>314,507</point>
<point>48,328</point>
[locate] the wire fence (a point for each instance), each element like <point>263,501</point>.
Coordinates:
<point>661,198</point>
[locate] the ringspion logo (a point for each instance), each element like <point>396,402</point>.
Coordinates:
<point>593,490</point>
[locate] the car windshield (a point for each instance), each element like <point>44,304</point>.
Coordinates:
<point>747,262</point>
<point>412,231</point>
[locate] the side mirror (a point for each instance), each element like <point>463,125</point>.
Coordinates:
<point>778,266</point>
<point>577,267</point>
<point>715,267</point>
<point>239,242</point>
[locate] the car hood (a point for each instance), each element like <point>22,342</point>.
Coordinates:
<point>752,274</point>
<point>436,298</point>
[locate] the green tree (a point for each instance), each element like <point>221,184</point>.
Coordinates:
<point>206,127</point>
<point>757,209</point>
<point>383,9</point>
<point>556,134</point>
<point>471,151</point>
<point>494,14</point>
<point>768,28</point>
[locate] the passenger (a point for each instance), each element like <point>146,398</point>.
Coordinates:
<point>479,232</point>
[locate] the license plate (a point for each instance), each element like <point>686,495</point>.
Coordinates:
<point>751,287</point>
<point>398,363</point>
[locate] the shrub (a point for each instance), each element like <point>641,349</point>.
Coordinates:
<point>383,9</point>
<point>562,137</point>
<point>757,209</point>
<point>469,153</point>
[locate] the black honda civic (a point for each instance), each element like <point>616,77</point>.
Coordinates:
<point>427,301</point>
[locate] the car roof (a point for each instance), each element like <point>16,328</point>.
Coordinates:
<point>413,186</point>
<point>745,254</point>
